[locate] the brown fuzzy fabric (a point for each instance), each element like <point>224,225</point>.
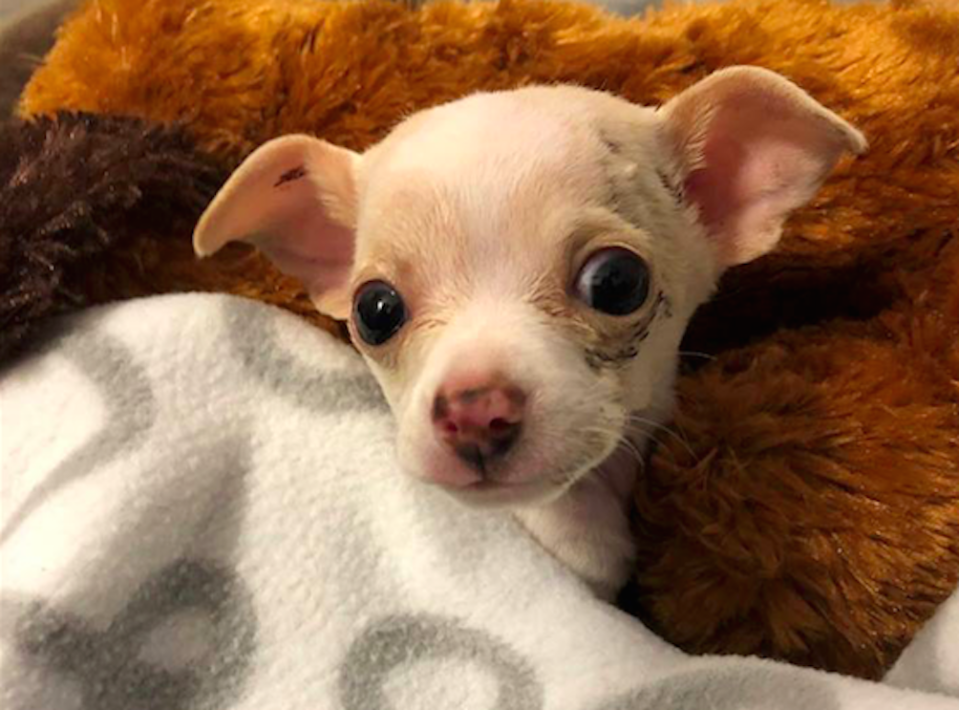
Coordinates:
<point>806,506</point>
<point>76,189</point>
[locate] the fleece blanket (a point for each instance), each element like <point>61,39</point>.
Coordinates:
<point>201,509</point>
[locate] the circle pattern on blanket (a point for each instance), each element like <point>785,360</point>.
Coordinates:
<point>108,667</point>
<point>130,405</point>
<point>395,644</point>
<point>755,687</point>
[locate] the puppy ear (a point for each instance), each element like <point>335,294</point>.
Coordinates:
<point>295,199</point>
<point>751,147</point>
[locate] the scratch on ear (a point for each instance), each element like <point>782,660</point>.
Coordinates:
<point>290,175</point>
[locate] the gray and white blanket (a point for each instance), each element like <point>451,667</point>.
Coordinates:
<point>200,509</point>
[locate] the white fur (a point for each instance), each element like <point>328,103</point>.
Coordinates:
<point>481,212</point>
<point>514,175</point>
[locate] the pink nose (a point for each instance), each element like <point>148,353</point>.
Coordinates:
<point>479,418</point>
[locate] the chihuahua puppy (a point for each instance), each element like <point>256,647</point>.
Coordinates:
<point>518,269</point>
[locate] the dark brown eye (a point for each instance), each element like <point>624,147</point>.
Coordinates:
<point>614,281</point>
<point>378,312</point>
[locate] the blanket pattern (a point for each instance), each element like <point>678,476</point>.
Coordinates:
<point>201,511</point>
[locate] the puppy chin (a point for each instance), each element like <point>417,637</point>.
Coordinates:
<point>493,494</point>
<point>525,479</point>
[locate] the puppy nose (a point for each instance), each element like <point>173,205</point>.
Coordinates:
<point>479,421</point>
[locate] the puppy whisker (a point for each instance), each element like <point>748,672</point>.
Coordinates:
<point>693,353</point>
<point>636,419</point>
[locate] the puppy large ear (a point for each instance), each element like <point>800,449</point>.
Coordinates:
<point>295,199</point>
<point>751,147</point>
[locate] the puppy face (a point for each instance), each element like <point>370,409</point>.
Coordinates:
<point>518,268</point>
<point>544,268</point>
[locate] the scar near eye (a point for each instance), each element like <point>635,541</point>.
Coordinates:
<point>611,146</point>
<point>620,353</point>
<point>675,190</point>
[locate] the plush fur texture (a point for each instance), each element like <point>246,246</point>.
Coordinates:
<point>73,191</point>
<point>805,505</point>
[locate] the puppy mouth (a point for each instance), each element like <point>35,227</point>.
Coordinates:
<point>493,485</point>
<point>497,488</point>
<point>535,469</point>
<point>502,494</point>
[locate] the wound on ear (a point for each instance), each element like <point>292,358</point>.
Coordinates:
<point>291,175</point>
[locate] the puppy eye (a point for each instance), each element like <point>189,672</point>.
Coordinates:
<point>378,312</point>
<point>614,281</point>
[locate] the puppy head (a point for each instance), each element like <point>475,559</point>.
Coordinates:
<point>518,268</point>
